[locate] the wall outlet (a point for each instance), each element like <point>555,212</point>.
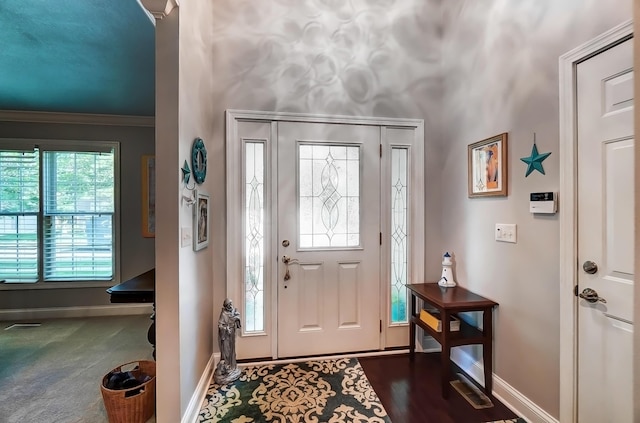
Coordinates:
<point>506,232</point>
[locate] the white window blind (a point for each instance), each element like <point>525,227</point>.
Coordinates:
<point>19,208</point>
<point>78,215</point>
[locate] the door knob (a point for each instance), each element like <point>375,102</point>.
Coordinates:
<point>590,267</point>
<point>591,296</point>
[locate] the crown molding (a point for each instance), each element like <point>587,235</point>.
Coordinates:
<point>76,118</point>
<point>159,8</point>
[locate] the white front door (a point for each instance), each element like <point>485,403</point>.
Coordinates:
<point>328,190</point>
<point>605,235</point>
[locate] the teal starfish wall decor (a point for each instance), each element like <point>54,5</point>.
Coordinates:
<point>534,161</point>
<point>186,172</point>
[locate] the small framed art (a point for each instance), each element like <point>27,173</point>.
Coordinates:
<point>487,167</point>
<point>148,196</point>
<point>201,222</point>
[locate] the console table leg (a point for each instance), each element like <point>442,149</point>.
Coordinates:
<point>446,353</point>
<point>412,328</point>
<point>412,340</point>
<point>445,363</point>
<point>487,350</point>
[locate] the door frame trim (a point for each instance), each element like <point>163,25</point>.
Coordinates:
<point>234,190</point>
<point>568,213</point>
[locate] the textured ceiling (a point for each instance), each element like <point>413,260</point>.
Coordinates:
<point>80,56</point>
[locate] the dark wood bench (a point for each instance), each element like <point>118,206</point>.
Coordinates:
<point>140,289</point>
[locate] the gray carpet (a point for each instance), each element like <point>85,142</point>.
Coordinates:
<point>52,373</point>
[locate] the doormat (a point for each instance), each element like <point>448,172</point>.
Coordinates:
<point>471,393</point>
<point>516,420</point>
<point>334,390</point>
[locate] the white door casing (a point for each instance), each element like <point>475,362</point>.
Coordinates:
<point>597,175</point>
<point>329,213</point>
<point>605,234</point>
<point>261,129</point>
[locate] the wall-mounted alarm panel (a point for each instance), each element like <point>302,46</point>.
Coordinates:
<point>543,202</point>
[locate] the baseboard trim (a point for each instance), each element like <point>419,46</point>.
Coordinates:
<point>75,312</point>
<point>428,345</point>
<point>505,393</point>
<point>324,357</point>
<point>195,404</point>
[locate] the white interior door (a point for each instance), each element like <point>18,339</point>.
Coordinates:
<point>605,235</point>
<point>328,189</point>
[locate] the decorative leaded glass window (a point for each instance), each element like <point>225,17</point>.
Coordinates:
<point>254,237</point>
<point>329,195</point>
<point>399,238</point>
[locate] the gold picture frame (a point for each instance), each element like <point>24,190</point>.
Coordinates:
<point>149,196</point>
<point>487,167</point>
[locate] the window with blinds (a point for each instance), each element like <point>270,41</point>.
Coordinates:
<point>57,213</point>
<point>19,209</point>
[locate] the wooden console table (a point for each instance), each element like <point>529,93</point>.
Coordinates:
<point>449,301</point>
<point>140,289</point>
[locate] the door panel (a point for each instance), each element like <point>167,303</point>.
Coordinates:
<point>349,289</point>
<point>329,211</point>
<point>605,234</point>
<point>310,298</point>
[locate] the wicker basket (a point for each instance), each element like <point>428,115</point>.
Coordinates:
<point>133,405</point>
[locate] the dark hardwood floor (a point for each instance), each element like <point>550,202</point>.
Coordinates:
<point>410,392</point>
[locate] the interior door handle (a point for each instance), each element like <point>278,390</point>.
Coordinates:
<point>591,296</point>
<point>287,261</point>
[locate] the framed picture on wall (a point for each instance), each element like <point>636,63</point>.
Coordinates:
<point>487,167</point>
<point>201,221</point>
<point>149,196</point>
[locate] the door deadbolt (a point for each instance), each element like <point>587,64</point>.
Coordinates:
<point>590,267</point>
<point>285,243</point>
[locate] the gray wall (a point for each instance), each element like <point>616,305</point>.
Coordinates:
<point>636,299</point>
<point>500,62</point>
<point>471,70</point>
<point>359,58</point>
<point>185,280</point>
<point>137,253</point>
<point>199,271</point>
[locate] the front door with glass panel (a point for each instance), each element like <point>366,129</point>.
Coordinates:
<point>328,190</point>
<point>341,200</point>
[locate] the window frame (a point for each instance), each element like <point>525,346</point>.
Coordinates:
<point>69,146</point>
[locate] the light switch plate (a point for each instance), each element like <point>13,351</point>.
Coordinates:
<point>506,232</point>
<point>185,237</point>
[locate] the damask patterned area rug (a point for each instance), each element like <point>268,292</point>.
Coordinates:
<point>312,391</point>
